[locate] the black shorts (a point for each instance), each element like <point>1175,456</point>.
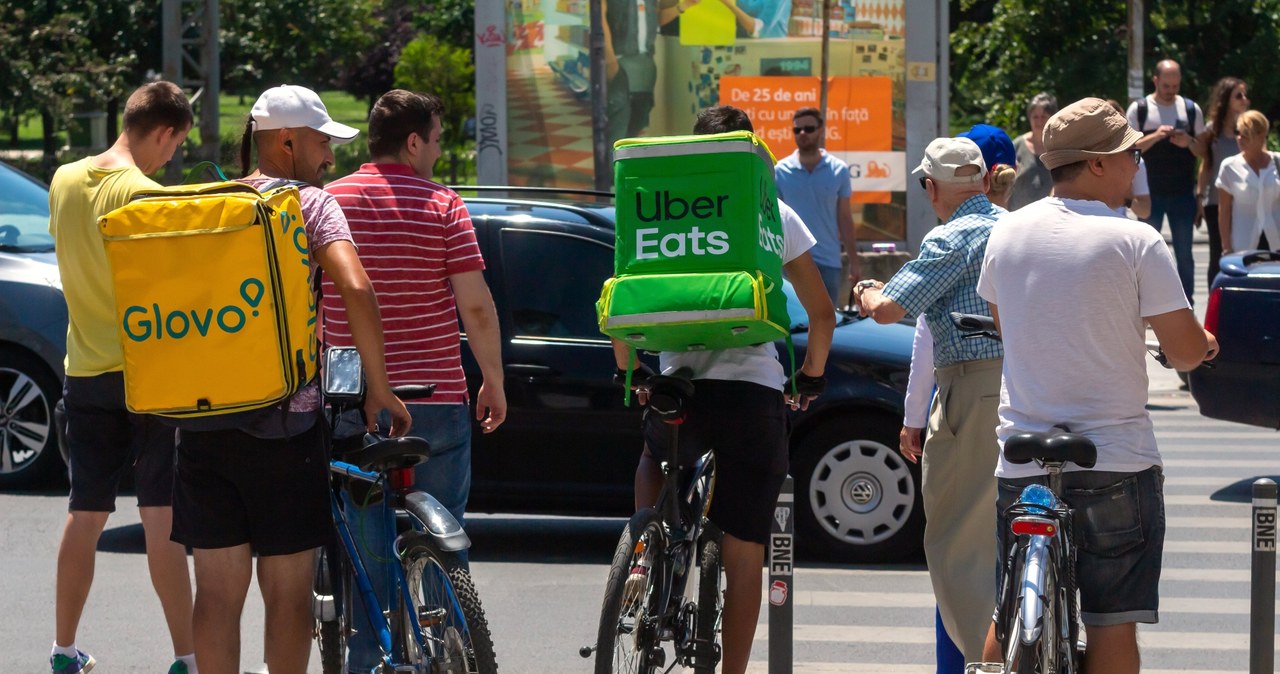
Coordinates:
<point>746,425</point>
<point>233,488</point>
<point>1119,530</point>
<point>105,441</point>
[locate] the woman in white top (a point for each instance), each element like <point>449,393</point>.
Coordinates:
<point>1249,189</point>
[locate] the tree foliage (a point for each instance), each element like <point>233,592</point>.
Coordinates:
<point>374,73</point>
<point>1005,51</point>
<point>429,64</point>
<point>305,42</point>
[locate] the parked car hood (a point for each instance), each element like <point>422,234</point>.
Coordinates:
<point>27,267</point>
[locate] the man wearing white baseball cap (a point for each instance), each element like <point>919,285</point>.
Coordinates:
<point>960,451</point>
<point>227,500</point>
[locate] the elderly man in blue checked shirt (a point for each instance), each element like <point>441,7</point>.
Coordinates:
<point>960,453</point>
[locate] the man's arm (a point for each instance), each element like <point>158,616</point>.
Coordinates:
<point>480,322</point>
<point>1184,342</point>
<point>881,309</point>
<point>1154,137</point>
<point>340,262</point>
<point>844,220</point>
<point>812,293</point>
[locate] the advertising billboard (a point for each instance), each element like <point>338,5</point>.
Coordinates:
<point>668,59</point>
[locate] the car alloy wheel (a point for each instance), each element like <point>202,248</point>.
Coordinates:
<point>27,438</point>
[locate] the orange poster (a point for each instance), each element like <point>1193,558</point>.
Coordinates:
<point>859,116</point>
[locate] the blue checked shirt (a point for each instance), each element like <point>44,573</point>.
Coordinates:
<point>944,278</point>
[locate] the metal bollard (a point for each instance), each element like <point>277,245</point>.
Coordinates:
<point>781,577</point>
<point>1262,586</point>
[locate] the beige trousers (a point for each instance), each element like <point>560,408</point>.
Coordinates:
<point>959,492</point>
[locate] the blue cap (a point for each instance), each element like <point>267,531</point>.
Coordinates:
<point>994,143</point>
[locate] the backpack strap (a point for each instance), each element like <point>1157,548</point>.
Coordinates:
<point>1191,115</point>
<point>1142,115</point>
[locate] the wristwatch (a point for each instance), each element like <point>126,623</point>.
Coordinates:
<point>862,285</point>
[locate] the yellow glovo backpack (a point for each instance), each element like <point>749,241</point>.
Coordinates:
<point>213,298</point>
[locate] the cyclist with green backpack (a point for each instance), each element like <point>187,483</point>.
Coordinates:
<point>740,411</point>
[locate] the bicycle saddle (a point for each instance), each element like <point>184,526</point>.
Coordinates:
<point>1054,446</point>
<point>390,453</point>
<point>669,393</point>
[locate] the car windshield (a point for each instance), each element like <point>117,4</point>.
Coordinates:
<point>24,213</point>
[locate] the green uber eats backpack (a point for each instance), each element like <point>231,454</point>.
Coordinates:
<point>698,256</point>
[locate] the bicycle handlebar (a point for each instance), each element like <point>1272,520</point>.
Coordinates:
<point>414,391</point>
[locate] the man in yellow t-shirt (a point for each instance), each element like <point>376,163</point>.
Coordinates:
<point>104,440</point>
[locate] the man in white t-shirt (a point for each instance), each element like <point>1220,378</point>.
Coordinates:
<point>1170,126</point>
<point>1072,288</point>
<point>739,410</point>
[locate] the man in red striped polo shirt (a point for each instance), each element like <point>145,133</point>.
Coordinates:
<point>419,249</point>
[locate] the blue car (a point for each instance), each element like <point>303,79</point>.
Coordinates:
<point>33,332</point>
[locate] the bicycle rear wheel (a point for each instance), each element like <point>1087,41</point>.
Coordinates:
<point>331,602</point>
<point>710,603</point>
<point>627,641</point>
<point>1045,656</point>
<point>445,605</point>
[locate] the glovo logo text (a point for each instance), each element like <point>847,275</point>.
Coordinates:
<point>157,322</point>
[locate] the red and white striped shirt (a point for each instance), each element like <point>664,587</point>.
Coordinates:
<point>413,234</point>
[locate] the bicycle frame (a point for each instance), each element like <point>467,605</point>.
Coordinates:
<point>680,542</point>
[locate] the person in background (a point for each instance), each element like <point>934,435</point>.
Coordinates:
<point>1230,99</point>
<point>1171,126</point>
<point>1033,182</point>
<point>816,184</point>
<point>1139,198</point>
<point>1249,189</point>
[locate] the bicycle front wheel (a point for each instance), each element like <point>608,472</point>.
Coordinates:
<point>446,608</point>
<point>627,641</point>
<point>331,603</point>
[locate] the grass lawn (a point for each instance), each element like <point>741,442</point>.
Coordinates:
<point>232,111</point>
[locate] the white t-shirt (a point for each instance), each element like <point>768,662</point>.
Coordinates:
<point>920,378</point>
<point>758,364</point>
<point>1072,283</point>
<point>1174,115</point>
<point>1139,185</point>
<point>1255,200</point>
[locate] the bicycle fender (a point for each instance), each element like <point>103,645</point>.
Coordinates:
<point>446,531</point>
<point>1033,574</point>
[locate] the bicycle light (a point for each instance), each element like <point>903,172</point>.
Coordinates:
<point>1033,526</point>
<point>401,479</point>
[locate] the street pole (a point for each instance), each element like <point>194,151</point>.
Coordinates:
<point>1262,585</point>
<point>826,61</point>
<point>782,559</point>
<point>599,96</point>
<point>1137,18</point>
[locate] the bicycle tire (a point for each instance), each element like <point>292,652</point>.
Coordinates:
<point>623,644</point>
<point>332,629</point>
<point>445,603</point>
<point>710,600</point>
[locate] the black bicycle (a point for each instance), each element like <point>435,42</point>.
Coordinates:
<point>433,622</point>
<point>651,616</point>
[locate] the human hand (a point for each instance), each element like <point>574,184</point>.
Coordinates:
<point>862,287</point>
<point>1164,131</point>
<point>1213,346</point>
<point>491,406</point>
<point>806,388</point>
<point>1180,138</point>
<point>639,381</point>
<point>909,443</point>
<point>379,399</point>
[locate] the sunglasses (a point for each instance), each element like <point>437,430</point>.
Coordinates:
<point>808,128</point>
<point>1239,96</point>
<point>1137,156</point>
<point>924,186</point>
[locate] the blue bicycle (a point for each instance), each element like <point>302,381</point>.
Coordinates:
<point>433,622</point>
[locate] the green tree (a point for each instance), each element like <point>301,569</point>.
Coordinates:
<point>1004,51</point>
<point>305,42</point>
<point>429,64</point>
<point>453,21</point>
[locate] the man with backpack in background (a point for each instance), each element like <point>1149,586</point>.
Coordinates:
<point>739,410</point>
<point>1170,125</point>
<point>260,485</point>
<point>104,440</point>
<point>420,251</point>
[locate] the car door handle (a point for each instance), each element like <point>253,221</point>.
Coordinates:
<point>530,371</point>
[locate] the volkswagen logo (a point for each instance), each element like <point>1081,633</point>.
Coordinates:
<point>862,491</point>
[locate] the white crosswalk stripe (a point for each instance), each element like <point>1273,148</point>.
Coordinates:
<point>865,620</point>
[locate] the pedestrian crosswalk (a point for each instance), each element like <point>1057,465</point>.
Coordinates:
<point>862,620</point>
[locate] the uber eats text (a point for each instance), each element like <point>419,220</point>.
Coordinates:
<point>651,243</point>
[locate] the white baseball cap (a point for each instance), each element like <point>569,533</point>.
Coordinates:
<point>292,107</point>
<point>944,155</point>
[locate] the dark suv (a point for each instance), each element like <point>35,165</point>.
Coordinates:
<point>570,446</point>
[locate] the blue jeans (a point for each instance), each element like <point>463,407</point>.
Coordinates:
<point>1181,210</point>
<point>446,476</point>
<point>832,278</point>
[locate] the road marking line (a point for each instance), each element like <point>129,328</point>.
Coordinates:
<point>883,634</point>
<point>1221,463</point>
<point>907,600</point>
<point>1207,523</point>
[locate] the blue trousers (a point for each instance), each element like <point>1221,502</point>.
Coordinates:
<point>446,476</point>
<point>1181,210</point>
<point>950,659</point>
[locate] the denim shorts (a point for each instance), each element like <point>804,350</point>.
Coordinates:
<point>1119,536</point>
